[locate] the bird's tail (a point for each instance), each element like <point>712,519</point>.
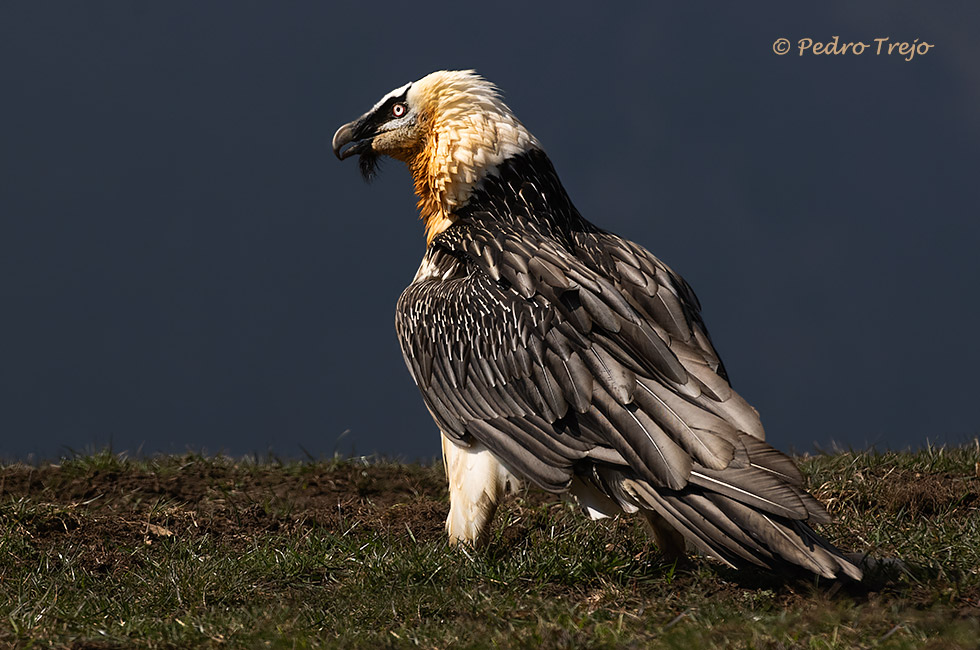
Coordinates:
<point>737,533</point>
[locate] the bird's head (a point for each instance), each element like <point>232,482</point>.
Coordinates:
<point>393,127</point>
<point>450,127</point>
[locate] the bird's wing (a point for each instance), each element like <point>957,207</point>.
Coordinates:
<point>495,364</point>
<point>665,301</point>
<point>518,343</point>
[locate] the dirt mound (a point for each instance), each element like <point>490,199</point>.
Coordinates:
<point>102,511</point>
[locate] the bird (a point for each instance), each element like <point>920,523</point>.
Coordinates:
<point>551,352</point>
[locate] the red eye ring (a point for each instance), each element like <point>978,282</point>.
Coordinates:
<point>399,109</point>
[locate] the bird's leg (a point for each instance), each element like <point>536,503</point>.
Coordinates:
<point>476,485</point>
<point>670,541</point>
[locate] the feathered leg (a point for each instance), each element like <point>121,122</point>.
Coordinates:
<point>670,541</point>
<point>477,483</point>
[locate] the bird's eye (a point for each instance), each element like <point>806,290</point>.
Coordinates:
<point>399,109</point>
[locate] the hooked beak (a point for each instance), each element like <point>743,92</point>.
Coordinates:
<point>347,134</point>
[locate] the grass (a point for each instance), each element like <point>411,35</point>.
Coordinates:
<point>103,551</point>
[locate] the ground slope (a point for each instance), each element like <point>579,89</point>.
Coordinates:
<point>105,552</point>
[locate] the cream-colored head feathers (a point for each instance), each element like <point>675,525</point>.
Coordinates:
<point>468,131</point>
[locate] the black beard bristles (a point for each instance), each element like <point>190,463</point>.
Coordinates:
<point>369,163</point>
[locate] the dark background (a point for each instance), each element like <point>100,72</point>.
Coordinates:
<point>184,264</point>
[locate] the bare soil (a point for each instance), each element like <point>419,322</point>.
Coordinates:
<point>231,503</point>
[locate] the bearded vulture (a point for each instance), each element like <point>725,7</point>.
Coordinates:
<point>549,350</point>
